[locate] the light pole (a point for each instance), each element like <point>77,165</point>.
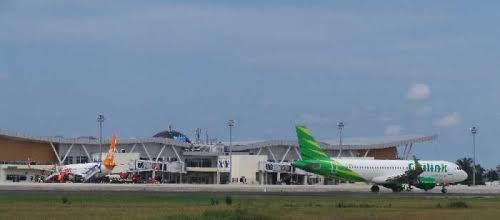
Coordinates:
<point>230,124</point>
<point>100,119</point>
<point>473,130</point>
<point>340,126</point>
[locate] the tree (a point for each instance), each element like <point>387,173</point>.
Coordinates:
<point>466,165</point>
<point>491,175</point>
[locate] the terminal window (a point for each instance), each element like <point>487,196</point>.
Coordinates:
<point>16,178</point>
<point>198,162</point>
<point>82,159</point>
<point>68,160</point>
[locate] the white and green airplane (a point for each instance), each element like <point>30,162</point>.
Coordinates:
<point>393,174</point>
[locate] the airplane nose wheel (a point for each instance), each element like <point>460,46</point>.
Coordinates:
<point>375,189</point>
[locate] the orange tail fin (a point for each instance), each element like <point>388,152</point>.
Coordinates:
<point>109,162</point>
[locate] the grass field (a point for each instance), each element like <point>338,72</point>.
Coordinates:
<point>206,206</point>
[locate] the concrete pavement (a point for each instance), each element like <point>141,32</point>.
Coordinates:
<point>250,189</point>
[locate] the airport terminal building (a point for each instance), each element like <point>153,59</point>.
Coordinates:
<point>170,157</point>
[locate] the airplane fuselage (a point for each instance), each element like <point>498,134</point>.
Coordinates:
<point>443,172</point>
<point>85,168</point>
<point>378,171</point>
<point>394,174</point>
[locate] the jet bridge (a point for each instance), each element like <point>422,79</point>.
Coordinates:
<point>148,166</point>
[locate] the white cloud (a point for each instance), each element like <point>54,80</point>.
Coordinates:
<point>313,119</point>
<point>419,92</point>
<point>423,111</point>
<point>449,120</point>
<point>392,130</point>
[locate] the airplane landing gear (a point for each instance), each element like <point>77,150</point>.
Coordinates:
<point>444,190</point>
<point>375,189</point>
<point>409,188</point>
<point>397,189</point>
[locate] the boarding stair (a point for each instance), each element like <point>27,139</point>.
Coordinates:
<point>91,172</point>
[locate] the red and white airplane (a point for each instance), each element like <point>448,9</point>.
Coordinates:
<point>83,172</point>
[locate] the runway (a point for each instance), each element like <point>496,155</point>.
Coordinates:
<point>342,189</point>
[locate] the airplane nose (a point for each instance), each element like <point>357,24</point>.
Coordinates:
<point>463,175</point>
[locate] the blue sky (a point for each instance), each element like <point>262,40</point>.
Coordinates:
<point>384,68</point>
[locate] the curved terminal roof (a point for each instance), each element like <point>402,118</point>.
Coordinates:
<point>89,141</point>
<point>347,143</point>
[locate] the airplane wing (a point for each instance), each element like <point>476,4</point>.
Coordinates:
<point>83,171</point>
<point>88,171</point>
<point>408,176</point>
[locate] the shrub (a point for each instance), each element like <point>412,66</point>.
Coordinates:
<point>240,214</point>
<point>352,205</point>
<point>458,204</point>
<point>454,205</point>
<point>65,200</point>
<point>214,201</point>
<point>229,200</point>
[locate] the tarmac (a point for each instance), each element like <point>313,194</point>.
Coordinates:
<point>341,189</point>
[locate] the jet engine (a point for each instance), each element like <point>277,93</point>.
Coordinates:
<point>425,183</point>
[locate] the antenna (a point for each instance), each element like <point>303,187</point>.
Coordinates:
<point>198,135</point>
<point>206,136</point>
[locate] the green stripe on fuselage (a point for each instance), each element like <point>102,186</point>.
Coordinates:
<point>328,168</point>
<point>346,174</point>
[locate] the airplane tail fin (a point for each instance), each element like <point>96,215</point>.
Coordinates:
<point>309,148</point>
<point>109,162</point>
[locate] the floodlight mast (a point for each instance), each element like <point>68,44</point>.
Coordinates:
<point>100,119</point>
<point>340,126</point>
<point>473,130</point>
<point>231,124</point>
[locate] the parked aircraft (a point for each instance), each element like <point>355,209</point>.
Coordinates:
<point>83,172</point>
<point>393,174</point>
